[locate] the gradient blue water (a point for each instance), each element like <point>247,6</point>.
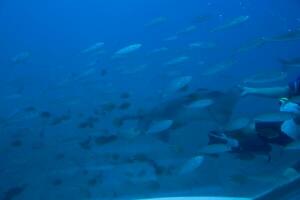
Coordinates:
<point>55,32</point>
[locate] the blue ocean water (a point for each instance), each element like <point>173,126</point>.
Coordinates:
<point>63,97</point>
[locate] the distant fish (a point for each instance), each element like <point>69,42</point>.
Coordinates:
<point>202,45</point>
<point>290,35</point>
<point>179,83</point>
<point>133,70</point>
<point>268,77</point>
<point>200,104</point>
<point>159,126</point>
<point>171,38</point>
<point>191,165</point>
<point>293,146</point>
<point>156,21</point>
<point>256,43</point>
<point>214,69</point>
<point>214,149</point>
<point>188,30</point>
<point>177,60</point>
<point>202,18</point>
<point>290,64</point>
<point>21,57</point>
<point>232,23</point>
<point>237,124</point>
<point>128,49</point>
<point>159,50</point>
<point>94,48</point>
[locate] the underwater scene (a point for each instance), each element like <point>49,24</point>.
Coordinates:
<point>149,99</point>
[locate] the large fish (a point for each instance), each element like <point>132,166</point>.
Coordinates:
<point>178,111</point>
<point>232,23</point>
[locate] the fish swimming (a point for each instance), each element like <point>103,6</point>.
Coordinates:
<point>214,69</point>
<point>290,63</point>
<point>176,110</point>
<point>268,77</point>
<point>156,21</point>
<point>95,47</point>
<point>232,23</point>
<point>21,57</point>
<point>128,49</point>
<point>291,35</point>
<point>176,61</point>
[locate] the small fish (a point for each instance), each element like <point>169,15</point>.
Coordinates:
<point>191,165</point>
<point>125,95</point>
<point>202,18</point>
<point>179,83</point>
<point>200,104</point>
<point>202,45</point>
<point>232,23</point>
<point>290,35</point>
<point>94,48</point>
<point>13,192</point>
<point>102,140</point>
<point>237,124</point>
<point>156,21</point>
<point>187,30</point>
<point>256,43</point>
<point>21,57</point>
<point>177,60</point>
<point>124,106</point>
<point>128,49</point>
<point>171,38</point>
<point>268,77</point>
<point>159,50</point>
<point>214,149</point>
<point>214,69</point>
<point>159,126</point>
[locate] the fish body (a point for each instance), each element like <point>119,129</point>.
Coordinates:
<point>234,22</point>
<point>128,49</point>
<point>94,48</point>
<point>177,60</point>
<point>191,165</point>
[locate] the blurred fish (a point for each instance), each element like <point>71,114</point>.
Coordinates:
<point>176,61</point>
<point>201,103</point>
<point>214,69</point>
<point>128,49</point>
<point>214,149</point>
<point>156,21</point>
<point>293,146</point>
<point>159,50</point>
<point>13,192</point>
<point>21,57</point>
<point>290,64</point>
<point>94,48</point>
<point>268,77</point>
<point>237,124</point>
<point>179,84</point>
<point>124,105</point>
<point>61,119</point>
<point>159,126</point>
<point>188,30</point>
<point>133,70</point>
<point>103,140</point>
<point>202,45</point>
<point>171,38</point>
<point>256,43</point>
<point>232,23</point>
<point>191,165</point>
<point>125,95</point>
<point>202,18</point>
<point>290,35</point>
<point>176,110</point>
